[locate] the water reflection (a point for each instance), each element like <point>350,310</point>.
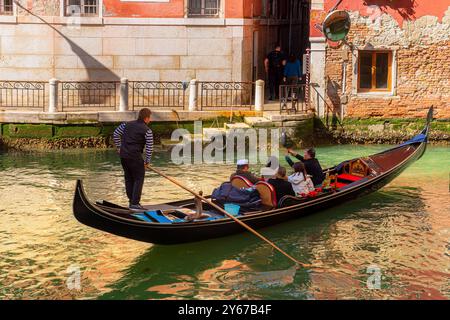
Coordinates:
<point>404,229</point>
<point>342,241</point>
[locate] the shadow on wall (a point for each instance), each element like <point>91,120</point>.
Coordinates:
<point>405,8</point>
<point>333,95</point>
<point>92,66</point>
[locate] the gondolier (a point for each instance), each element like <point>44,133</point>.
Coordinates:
<point>132,139</point>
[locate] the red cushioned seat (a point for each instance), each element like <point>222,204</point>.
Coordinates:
<point>340,185</point>
<point>349,177</point>
<point>267,194</point>
<point>240,182</point>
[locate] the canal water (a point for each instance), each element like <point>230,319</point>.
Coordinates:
<point>392,244</point>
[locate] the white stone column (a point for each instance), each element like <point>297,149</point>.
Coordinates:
<point>317,74</point>
<point>259,95</point>
<point>193,92</point>
<point>53,95</point>
<point>123,106</point>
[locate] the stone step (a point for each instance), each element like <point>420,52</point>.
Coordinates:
<point>258,121</point>
<point>238,125</point>
<point>287,117</point>
<point>213,131</point>
<point>208,133</point>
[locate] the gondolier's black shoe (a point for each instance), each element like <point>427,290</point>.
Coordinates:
<point>136,207</point>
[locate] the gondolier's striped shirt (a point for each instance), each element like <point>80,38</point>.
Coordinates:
<point>117,137</point>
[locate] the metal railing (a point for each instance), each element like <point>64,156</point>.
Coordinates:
<point>225,95</point>
<point>330,114</point>
<point>61,96</point>
<point>165,94</point>
<point>293,98</point>
<point>6,8</point>
<point>23,94</point>
<point>203,8</point>
<point>88,95</point>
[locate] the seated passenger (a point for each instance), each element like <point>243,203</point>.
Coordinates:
<point>312,165</point>
<point>268,173</point>
<point>301,182</point>
<point>243,171</point>
<point>281,185</point>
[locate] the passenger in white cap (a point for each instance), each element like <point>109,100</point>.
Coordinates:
<point>243,171</point>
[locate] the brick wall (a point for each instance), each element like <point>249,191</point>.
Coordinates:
<point>421,69</point>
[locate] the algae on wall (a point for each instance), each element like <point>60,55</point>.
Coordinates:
<point>97,135</point>
<point>386,131</point>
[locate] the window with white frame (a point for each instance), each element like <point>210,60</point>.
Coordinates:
<point>203,8</point>
<point>6,7</point>
<point>81,8</point>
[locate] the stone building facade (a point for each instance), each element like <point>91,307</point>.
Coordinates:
<point>396,63</point>
<point>154,40</point>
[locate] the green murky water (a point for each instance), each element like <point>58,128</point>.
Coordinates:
<point>397,239</point>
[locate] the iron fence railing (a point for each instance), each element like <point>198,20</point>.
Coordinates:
<point>163,94</point>
<point>23,94</point>
<point>293,98</point>
<point>107,95</point>
<point>225,95</point>
<point>88,94</point>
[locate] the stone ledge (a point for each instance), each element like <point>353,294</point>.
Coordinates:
<point>292,123</point>
<point>236,126</point>
<point>288,117</point>
<point>8,19</point>
<point>258,121</point>
<point>114,116</point>
<point>20,117</point>
<point>57,20</point>
<point>52,116</point>
<point>84,117</point>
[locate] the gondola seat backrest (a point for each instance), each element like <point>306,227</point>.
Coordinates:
<point>240,182</point>
<point>356,168</point>
<point>267,194</point>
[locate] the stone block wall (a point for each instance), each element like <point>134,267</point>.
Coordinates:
<point>39,52</point>
<point>39,44</point>
<point>420,70</point>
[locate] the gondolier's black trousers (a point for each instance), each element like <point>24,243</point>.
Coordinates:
<point>134,178</point>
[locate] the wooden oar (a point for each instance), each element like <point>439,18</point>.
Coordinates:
<point>298,263</point>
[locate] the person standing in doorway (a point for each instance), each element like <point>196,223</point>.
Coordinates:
<point>274,65</point>
<point>292,71</point>
<point>132,139</point>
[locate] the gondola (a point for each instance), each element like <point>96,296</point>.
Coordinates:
<point>173,222</point>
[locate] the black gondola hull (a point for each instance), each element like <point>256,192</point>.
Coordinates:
<point>89,214</point>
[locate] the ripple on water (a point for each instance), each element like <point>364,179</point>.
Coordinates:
<point>403,230</point>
